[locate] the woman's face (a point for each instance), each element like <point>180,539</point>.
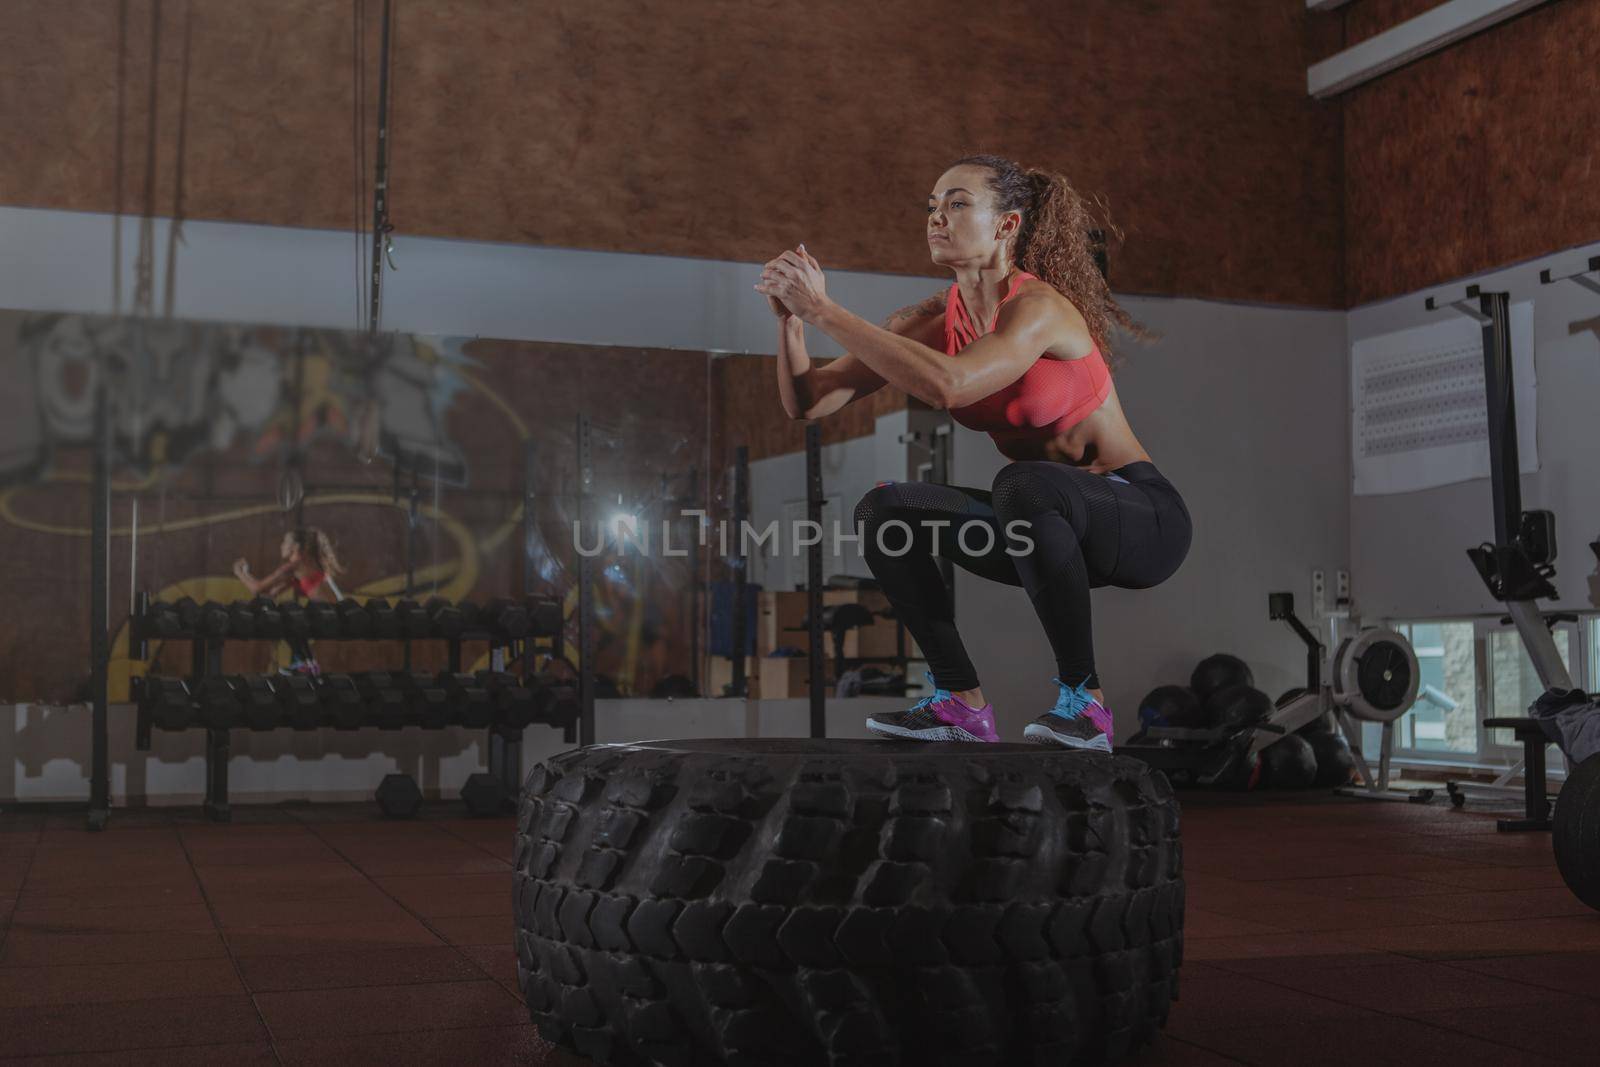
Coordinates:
<point>291,551</point>
<point>963,226</point>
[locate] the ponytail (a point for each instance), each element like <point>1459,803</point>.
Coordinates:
<point>1060,242</point>
<point>316,544</point>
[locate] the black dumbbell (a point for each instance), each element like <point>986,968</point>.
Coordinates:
<point>188,614</point>
<point>323,620</point>
<point>430,705</point>
<point>162,620</point>
<point>470,704</point>
<point>219,704</point>
<point>385,623</point>
<point>269,620</point>
<point>505,618</point>
<point>341,703</point>
<point>471,614</point>
<point>484,794</point>
<point>241,619</point>
<point>398,796</point>
<point>167,703</point>
<point>295,621</point>
<point>386,702</point>
<point>556,698</point>
<point>514,703</point>
<point>354,622</point>
<point>254,694</point>
<point>444,620</point>
<point>213,620</point>
<point>544,616</point>
<point>413,618</point>
<point>297,697</point>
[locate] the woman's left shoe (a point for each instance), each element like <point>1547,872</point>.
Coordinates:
<point>1077,721</point>
<point>941,716</point>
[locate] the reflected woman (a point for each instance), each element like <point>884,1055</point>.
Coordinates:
<point>308,569</point>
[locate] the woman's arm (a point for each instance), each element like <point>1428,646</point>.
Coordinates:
<point>1023,333</point>
<point>271,585</point>
<point>810,390</point>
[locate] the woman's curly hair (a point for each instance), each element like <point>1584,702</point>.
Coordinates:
<point>1060,241</point>
<point>316,545</point>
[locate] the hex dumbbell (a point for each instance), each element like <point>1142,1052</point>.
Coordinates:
<point>387,707</point>
<point>385,623</point>
<point>398,796</point>
<point>354,622</point>
<point>505,618</point>
<point>430,705</point>
<point>212,620</point>
<point>167,703</point>
<point>484,794</point>
<point>544,615</point>
<point>323,620</point>
<point>469,702</point>
<point>295,621</point>
<point>444,618</point>
<point>241,619</point>
<point>297,697</point>
<point>341,702</point>
<point>414,620</point>
<point>219,705</point>
<point>257,700</point>
<point>269,620</point>
<point>514,703</point>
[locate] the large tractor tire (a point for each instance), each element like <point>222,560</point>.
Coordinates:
<point>838,902</point>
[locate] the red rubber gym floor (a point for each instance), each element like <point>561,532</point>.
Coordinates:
<point>1319,930</point>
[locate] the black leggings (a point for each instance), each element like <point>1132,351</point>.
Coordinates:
<point>1129,529</point>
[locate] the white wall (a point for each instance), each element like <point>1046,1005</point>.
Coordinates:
<point>1409,549</point>
<point>1244,409</point>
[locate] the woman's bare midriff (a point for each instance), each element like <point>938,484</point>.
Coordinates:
<point>1099,444</point>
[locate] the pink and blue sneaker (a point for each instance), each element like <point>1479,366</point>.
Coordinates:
<point>942,716</point>
<point>1077,721</point>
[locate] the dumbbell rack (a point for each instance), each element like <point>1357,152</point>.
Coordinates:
<point>504,746</point>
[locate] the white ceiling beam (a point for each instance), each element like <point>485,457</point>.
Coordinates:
<point>1409,41</point>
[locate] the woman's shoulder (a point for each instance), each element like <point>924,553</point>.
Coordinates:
<point>914,319</point>
<point>1055,312</point>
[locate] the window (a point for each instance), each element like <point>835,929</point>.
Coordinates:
<point>1445,717</point>
<point>1475,670</point>
<point>1513,682</point>
<point>1592,680</point>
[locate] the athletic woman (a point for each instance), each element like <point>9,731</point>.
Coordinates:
<point>1017,349</point>
<point>308,567</point>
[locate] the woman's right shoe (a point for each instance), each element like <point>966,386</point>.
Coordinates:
<point>943,716</point>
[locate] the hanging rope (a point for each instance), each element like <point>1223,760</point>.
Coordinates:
<point>144,265</point>
<point>380,174</point>
<point>175,230</point>
<point>358,118</point>
<point>122,122</point>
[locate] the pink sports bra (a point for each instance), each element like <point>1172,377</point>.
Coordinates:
<point>1052,396</point>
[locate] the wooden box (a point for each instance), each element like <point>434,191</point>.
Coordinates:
<point>787,677</point>
<point>776,613</point>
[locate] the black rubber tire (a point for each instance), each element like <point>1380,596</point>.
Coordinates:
<point>847,902</point>
<point>1575,832</point>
